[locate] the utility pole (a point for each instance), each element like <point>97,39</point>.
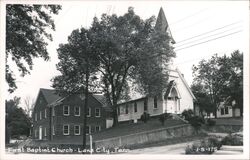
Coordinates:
<point>86,104</point>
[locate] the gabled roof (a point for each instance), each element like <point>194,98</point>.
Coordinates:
<point>100,98</point>
<point>162,24</point>
<point>49,95</point>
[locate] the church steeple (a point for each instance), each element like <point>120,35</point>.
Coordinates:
<point>162,24</point>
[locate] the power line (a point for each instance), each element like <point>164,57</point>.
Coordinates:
<point>209,40</point>
<point>189,16</point>
<point>209,31</point>
<point>207,37</point>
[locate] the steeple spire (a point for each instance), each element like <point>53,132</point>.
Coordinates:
<point>162,24</point>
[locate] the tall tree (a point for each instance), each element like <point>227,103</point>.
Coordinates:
<point>130,49</point>
<point>29,104</point>
<point>126,48</point>
<point>78,68</point>
<point>27,32</point>
<point>17,122</point>
<point>221,79</point>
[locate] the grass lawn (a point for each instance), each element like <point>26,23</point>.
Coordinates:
<point>229,121</point>
<point>126,129</point>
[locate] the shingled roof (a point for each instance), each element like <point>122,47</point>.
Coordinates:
<point>50,95</point>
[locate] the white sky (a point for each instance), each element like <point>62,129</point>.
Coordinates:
<point>186,19</point>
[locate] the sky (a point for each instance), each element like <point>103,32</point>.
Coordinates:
<point>200,30</point>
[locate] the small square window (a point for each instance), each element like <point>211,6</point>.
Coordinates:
<point>77,129</point>
<point>97,112</point>
<point>97,128</point>
<point>65,129</point>
<point>88,112</point>
<point>77,111</point>
<point>66,110</point>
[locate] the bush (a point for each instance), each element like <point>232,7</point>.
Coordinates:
<point>145,117</point>
<point>196,121</point>
<point>211,122</point>
<point>232,140</point>
<point>187,114</point>
<point>215,142</point>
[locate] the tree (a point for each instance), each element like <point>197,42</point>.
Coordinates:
<point>17,122</point>
<point>203,99</point>
<point>27,29</point>
<point>29,105</point>
<point>232,69</point>
<point>219,79</point>
<point>78,68</point>
<point>207,74</point>
<point>126,48</point>
<point>129,49</point>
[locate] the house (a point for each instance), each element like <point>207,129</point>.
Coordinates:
<point>226,111</point>
<point>59,118</point>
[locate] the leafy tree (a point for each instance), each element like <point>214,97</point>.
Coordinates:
<point>129,49</point>
<point>232,70</point>
<point>78,68</point>
<point>17,122</point>
<point>203,99</point>
<point>27,29</point>
<point>219,79</point>
<point>126,49</point>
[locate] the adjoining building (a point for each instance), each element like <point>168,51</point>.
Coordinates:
<point>60,118</point>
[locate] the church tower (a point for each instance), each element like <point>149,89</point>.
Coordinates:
<point>162,25</point>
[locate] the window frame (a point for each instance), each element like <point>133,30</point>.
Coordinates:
<point>222,111</point>
<point>98,129</point>
<point>45,132</point>
<point>89,129</point>
<point>35,116</point>
<point>64,110</point>
<point>79,113</point>
<point>45,113</point>
<point>79,133</point>
<point>126,108</point>
<point>66,134</point>
<point>226,110</point>
<point>99,112</point>
<point>40,115</point>
<point>135,107</point>
<point>88,112</point>
<point>155,102</point>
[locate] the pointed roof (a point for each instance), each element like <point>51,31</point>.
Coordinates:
<point>50,95</point>
<point>162,24</point>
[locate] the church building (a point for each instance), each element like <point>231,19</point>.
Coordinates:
<point>176,98</point>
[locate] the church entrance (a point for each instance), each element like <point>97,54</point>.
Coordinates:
<point>172,102</point>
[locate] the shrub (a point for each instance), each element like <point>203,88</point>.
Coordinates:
<point>196,121</point>
<point>145,117</point>
<point>187,114</point>
<point>232,140</point>
<point>215,142</point>
<point>211,122</point>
